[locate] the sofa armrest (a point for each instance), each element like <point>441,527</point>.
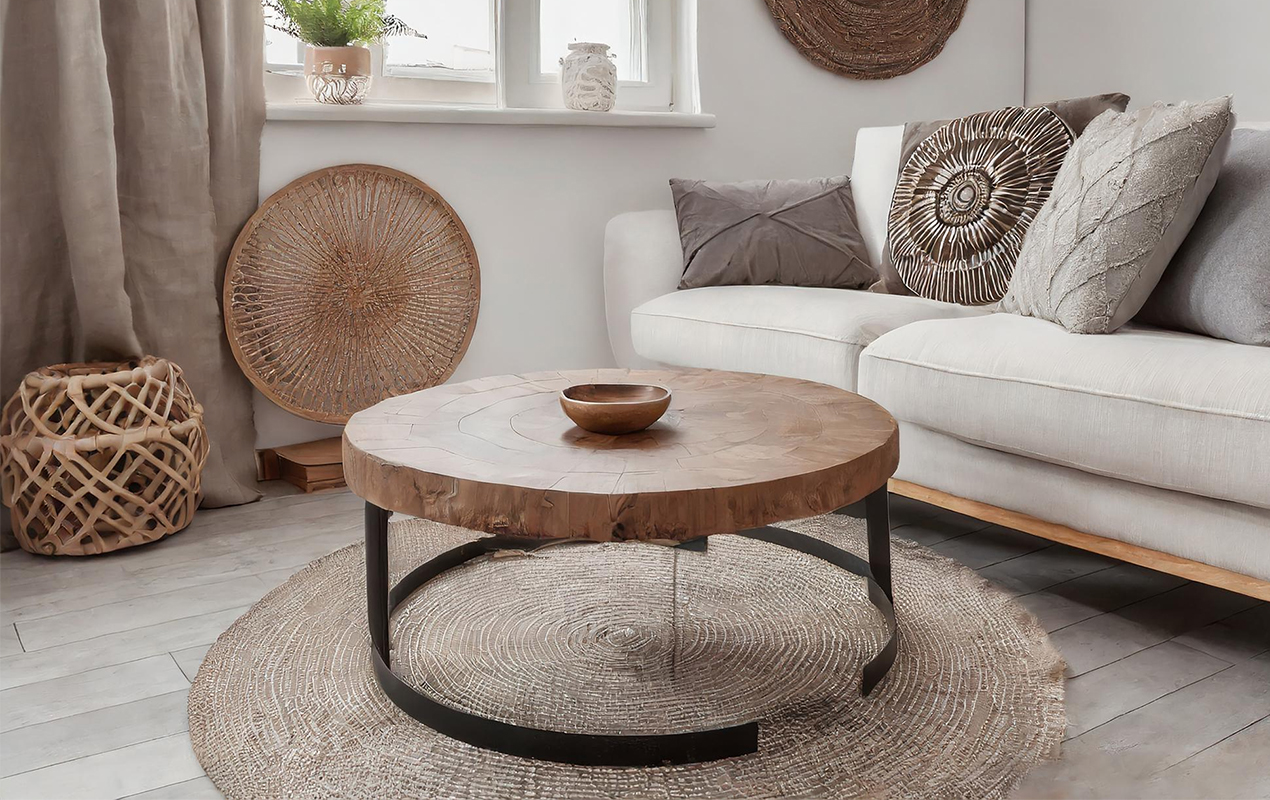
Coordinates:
<point>643,259</point>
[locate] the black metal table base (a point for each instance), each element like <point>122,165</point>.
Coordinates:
<point>600,749</point>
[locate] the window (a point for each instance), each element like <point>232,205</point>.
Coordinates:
<point>459,43</point>
<point>617,23</point>
<point>503,52</point>
<point>453,64</point>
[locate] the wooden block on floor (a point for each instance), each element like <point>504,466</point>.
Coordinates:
<point>311,466</point>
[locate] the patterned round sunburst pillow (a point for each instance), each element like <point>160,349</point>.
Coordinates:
<point>966,197</point>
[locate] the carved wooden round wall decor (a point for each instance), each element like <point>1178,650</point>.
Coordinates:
<point>966,197</point>
<point>350,285</point>
<point>868,40</point>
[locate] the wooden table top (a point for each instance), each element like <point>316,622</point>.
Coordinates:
<point>734,451</point>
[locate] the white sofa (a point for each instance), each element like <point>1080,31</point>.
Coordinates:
<point>1148,445</point>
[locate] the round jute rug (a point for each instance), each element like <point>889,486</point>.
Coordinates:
<point>634,638</point>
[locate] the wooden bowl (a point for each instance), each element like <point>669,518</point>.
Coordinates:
<point>614,408</point>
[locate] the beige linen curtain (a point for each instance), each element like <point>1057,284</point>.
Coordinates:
<point>129,159</point>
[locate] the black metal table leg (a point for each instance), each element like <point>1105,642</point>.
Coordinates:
<point>516,740</point>
<point>377,609</point>
<point>598,749</point>
<point>879,552</point>
<point>878,520</point>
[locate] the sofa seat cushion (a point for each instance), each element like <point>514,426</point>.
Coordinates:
<point>798,332</point>
<point>1171,410</point>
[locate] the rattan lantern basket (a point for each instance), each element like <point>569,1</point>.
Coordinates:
<point>102,456</point>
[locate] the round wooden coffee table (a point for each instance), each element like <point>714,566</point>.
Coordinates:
<point>734,453</point>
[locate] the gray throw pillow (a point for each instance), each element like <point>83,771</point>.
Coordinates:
<point>789,232</point>
<point>1218,284</point>
<point>1123,201</point>
<point>1076,112</point>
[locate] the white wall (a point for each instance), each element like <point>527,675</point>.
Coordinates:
<point>1153,50</point>
<point>536,200</point>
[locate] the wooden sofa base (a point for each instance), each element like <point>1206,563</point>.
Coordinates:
<point>1142,556</point>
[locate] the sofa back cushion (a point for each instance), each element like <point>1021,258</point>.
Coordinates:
<point>875,169</point>
<point>1219,282</point>
<point>1124,200</point>
<point>786,232</point>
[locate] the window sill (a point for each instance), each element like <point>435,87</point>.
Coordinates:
<point>309,110</point>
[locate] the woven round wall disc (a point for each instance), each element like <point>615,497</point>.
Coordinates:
<point>966,197</point>
<point>350,285</point>
<point>868,40</point>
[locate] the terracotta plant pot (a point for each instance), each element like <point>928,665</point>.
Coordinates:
<point>338,75</point>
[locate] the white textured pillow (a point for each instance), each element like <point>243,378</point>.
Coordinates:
<point>1124,199</point>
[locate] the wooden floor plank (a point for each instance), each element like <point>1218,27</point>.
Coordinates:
<point>212,533</point>
<point>215,569</point>
<point>1119,758</point>
<point>10,644</point>
<point>37,583</point>
<point>323,536</point>
<point>82,735</point>
<point>937,528</point>
<point>275,578</point>
<point>117,773</point>
<point>1223,769</point>
<point>1044,568</point>
<point>197,789</point>
<point>1105,693</point>
<point>1101,640</point>
<point>1236,638</point>
<point>1098,592</point>
<point>190,659</point>
<point>41,702</point>
<point>905,510</point>
<point>989,546</point>
<point>115,648</point>
<point>1187,608</point>
<point>140,612</point>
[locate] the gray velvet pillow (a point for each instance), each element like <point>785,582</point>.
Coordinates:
<point>789,232</point>
<point>1218,284</point>
<point>1076,112</point>
<point>1124,199</point>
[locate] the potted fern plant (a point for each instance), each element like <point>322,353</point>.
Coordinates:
<point>337,32</point>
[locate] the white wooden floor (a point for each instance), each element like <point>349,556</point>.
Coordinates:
<point>1168,690</point>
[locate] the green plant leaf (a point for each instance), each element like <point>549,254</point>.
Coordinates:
<point>335,23</point>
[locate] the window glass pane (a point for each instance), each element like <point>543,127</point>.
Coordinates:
<point>458,31</point>
<point>616,23</point>
<point>280,48</point>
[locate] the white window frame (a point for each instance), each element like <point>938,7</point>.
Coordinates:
<point>527,86</point>
<point>639,26</point>
<point>666,54</point>
<point>398,84</point>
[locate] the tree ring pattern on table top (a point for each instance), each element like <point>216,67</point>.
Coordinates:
<point>734,451</point>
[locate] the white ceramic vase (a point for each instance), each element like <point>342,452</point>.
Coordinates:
<point>588,77</point>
